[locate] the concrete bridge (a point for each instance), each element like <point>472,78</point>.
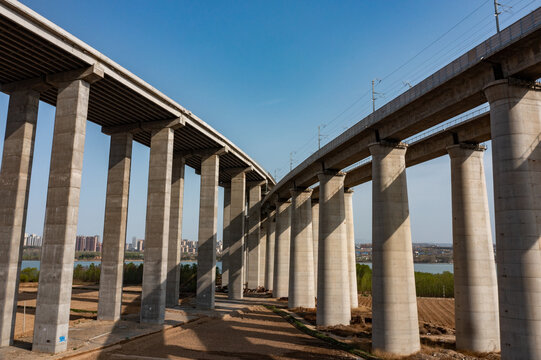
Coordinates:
<point>310,209</point>
<point>295,237</point>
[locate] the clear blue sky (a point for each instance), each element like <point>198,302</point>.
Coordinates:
<point>266,74</point>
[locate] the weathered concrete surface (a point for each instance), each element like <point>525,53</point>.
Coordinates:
<point>301,255</point>
<point>236,236</point>
<point>175,231</point>
<point>225,234</point>
<point>352,263</point>
<point>269,261</point>
<point>114,227</point>
<point>476,290</point>
<point>208,227</point>
<point>515,115</point>
<point>254,223</point>
<point>333,298</point>
<point>395,327</point>
<point>280,284</point>
<point>315,237</point>
<point>61,215</point>
<point>157,226</point>
<point>262,250</point>
<point>14,185</point>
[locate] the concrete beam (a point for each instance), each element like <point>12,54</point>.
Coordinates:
<point>114,227</point>
<point>14,186</point>
<point>175,123</point>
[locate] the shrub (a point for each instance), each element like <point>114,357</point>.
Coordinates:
<point>29,275</point>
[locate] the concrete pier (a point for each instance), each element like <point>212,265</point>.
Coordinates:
<point>175,231</point>
<point>269,261</point>
<point>352,264</point>
<point>476,290</point>
<point>253,238</point>
<point>114,227</point>
<point>515,121</point>
<point>301,265</point>
<point>262,250</point>
<point>333,298</point>
<point>315,237</point>
<point>225,234</point>
<point>395,327</point>
<point>14,185</point>
<point>157,226</point>
<point>280,286</point>
<point>236,235</point>
<point>61,216</point>
<point>208,227</point>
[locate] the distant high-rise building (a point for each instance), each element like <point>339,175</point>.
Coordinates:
<point>87,243</point>
<point>32,240</point>
<point>140,245</point>
<point>134,243</point>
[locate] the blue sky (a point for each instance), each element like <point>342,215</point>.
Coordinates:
<point>266,74</point>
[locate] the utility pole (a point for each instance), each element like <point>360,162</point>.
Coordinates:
<point>319,136</point>
<point>496,13</point>
<point>291,160</point>
<point>374,93</point>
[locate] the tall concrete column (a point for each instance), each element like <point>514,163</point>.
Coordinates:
<point>315,237</point>
<point>157,226</point>
<point>254,222</point>
<point>333,306</point>
<point>269,261</point>
<point>280,284</point>
<point>395,327</point>
<point>476,289</point>
<point>208,227</point>
<point>225,235</point>
<point>236,235</point>
<point>14,185</point>
<point>352,264</point>
<point>175,231</point>
<point>515,122</point>
<point>301,263</point>
<point>262,250</point>
<point>114,227</point>
<point>61,215</point>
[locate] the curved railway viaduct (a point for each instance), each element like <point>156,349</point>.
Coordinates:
<point>295,237</point>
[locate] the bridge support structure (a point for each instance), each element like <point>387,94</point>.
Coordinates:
<point>315,237</point>
<point>114,227</point>
<point>476,289</point>
<point>333,297</point>
<point>395,327</point>
<point>515,121</point>
<point>352,263</point>
<point>269,259</point>
<point>225,234</point>
<point>254,236</point>
<point>236,235</point>
<point>301,255</point>
<point>14,186</point>
<point>280,287</point>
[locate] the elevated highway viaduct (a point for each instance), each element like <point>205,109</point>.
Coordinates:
<point>490,314</point>
<point>41,62</point>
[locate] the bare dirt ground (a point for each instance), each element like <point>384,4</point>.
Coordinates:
<point>436,327</point>
<point>254,334</point>
<point>84,305</point>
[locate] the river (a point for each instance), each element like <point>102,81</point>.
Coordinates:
<point>429,268</point>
